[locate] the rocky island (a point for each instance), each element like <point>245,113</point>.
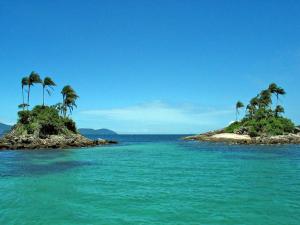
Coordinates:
<point>263,123</point>
<point>46,127</point>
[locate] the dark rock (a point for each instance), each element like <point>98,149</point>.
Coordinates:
<point>13,142</point>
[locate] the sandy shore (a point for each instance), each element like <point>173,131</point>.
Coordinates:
<point>231,136</point>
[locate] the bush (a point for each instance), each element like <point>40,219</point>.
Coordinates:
<point>24,117</point>
<point>233,127</point>
<point>48,129</point>
<point>44,120</point>
<point>70,125</point>
<point>265,126</point>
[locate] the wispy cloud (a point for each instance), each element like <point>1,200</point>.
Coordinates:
<point>157,117</point>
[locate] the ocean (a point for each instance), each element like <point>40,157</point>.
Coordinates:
<point>152,179</point>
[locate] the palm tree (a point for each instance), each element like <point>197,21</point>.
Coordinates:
<point>251,110</point>
<point>272,88</point>
<point>69,99</point>
<point>238,105</point>
<point>279,91</point>
<point>48,82</point>
<point>279,109</point>
<point>22,106</point>
<point>265,98</point>
<point>276,90</point>
<point>34,78</point>
<point>24,82</point>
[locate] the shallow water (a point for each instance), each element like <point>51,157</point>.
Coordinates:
<point>152,180</point>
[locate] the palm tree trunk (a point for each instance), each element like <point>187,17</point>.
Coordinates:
<point>28,96</point>
<point>43,96</point>
<point>64,106</point>
<point>23,98</point>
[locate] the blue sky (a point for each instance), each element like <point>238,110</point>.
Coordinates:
<point>159,66</point>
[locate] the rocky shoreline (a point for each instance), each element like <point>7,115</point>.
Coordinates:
<point>221,136</point>
<point>13,142</point>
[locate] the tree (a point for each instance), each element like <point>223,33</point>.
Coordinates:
<point>265,98</point>
<point>34,78</point>
<point>238,105</point>
<point>254,101</point>
<point>47,83</point>
<point>272,88</point>
<point>279,91</point>
<point>69,99</point>
<point>22,106</point>
<point>276,90</point>
<point>279,109</point>
<point>251,110</point>
<point>24,82</point>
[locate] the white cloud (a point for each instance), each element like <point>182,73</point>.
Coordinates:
<point>160,117</point>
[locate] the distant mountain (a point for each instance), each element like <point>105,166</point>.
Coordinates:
<point>87,131</point>
<point>4,128</point>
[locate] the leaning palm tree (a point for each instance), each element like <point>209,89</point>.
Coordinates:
<point>265,99</point>
<point>70,103</point>
<point>69,99</point>
<point>251,110</point>
<point>47,83</point>
<point>24,82</point>
<point>238,105</point>
<point>272,88</point>
<point>279,109</point>
<point>279,91</point>
<point>276,90</point>
<point>34,78</point>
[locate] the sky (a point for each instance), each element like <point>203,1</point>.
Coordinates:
<point>151,66</point>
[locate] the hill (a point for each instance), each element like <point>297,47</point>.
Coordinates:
<point>88,131</point>
<point>4,128</point>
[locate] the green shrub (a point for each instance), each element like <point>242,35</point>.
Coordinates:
<point>48,128</point>
<point>70,124</point>
<point>233,127</point>
<point>24,117</point>
<point>265,126</point>
<point>44,120</point>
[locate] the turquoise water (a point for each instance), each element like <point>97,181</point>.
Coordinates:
<point>152,180</point>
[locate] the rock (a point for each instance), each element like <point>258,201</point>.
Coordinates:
<point>242,131</point>
<point>297,129</point>
<point>13,142</point>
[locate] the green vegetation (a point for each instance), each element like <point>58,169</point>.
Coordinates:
<point>45,120</point>
<point>262,118</point>
<point>42,121</point>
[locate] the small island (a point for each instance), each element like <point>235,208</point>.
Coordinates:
<point>263,123</point>
<point>46,127</point>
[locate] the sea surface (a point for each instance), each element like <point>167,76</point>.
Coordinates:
<point>152,179</point>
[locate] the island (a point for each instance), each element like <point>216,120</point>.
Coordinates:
<point>89,131</point>
<point>46,127</point>
<point>263,123</point>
